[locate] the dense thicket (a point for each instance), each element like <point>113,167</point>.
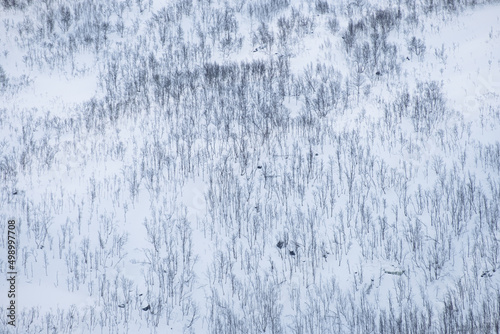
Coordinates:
<point>217,183</point>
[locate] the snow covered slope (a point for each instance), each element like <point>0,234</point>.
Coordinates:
<point>252,166</point>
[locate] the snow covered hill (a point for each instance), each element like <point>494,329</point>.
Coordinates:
<point>250,166</point>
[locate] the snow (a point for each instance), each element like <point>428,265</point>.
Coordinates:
<point>125,197</point>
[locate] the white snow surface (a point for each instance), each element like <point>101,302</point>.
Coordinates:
<point>123,201</point>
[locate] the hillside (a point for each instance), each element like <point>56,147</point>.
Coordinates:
<point>250,166</point>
